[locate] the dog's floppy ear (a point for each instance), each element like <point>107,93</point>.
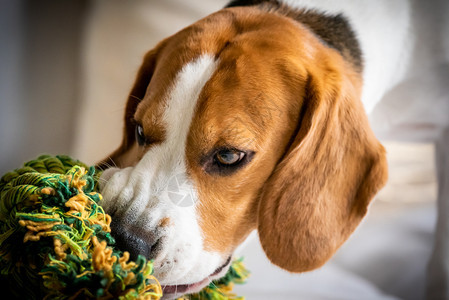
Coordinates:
<point>137,93</point>
<point>320,190</point>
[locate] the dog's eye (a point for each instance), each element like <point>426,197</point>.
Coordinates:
<point>225,161</point>
<point>140,136</point>
<point>229,157</point>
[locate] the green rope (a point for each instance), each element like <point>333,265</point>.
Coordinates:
<point>55,240</point>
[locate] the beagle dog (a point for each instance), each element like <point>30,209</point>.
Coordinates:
<point>255,117</point>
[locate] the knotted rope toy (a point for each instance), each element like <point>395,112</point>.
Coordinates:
<point>55,240</point>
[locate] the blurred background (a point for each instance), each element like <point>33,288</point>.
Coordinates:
<point>65,70</point>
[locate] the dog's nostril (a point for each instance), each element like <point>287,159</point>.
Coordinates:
<point>127,239</point>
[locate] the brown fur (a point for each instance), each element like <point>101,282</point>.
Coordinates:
<point>320,191</point>
<point>280,92</point>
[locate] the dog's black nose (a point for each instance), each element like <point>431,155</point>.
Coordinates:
<point>132,240</point>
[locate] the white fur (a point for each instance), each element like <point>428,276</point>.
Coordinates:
<point>140,193</point>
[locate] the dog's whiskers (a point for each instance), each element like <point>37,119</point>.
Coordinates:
<point>212,282</point>
<point>135,97</point>
<point>113,165</point>
<point>102,180</point>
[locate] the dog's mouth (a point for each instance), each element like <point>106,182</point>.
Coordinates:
<point>182,289</point>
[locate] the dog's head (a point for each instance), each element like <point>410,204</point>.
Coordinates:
<point>244,120</point>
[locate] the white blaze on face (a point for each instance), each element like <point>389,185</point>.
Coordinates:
<point>157,187</point>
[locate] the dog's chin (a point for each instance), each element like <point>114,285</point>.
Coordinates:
<point>175,291</point>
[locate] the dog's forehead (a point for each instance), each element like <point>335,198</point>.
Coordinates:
<point>173,54</point>
<point>257,34</point>
<point>242,57</point>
